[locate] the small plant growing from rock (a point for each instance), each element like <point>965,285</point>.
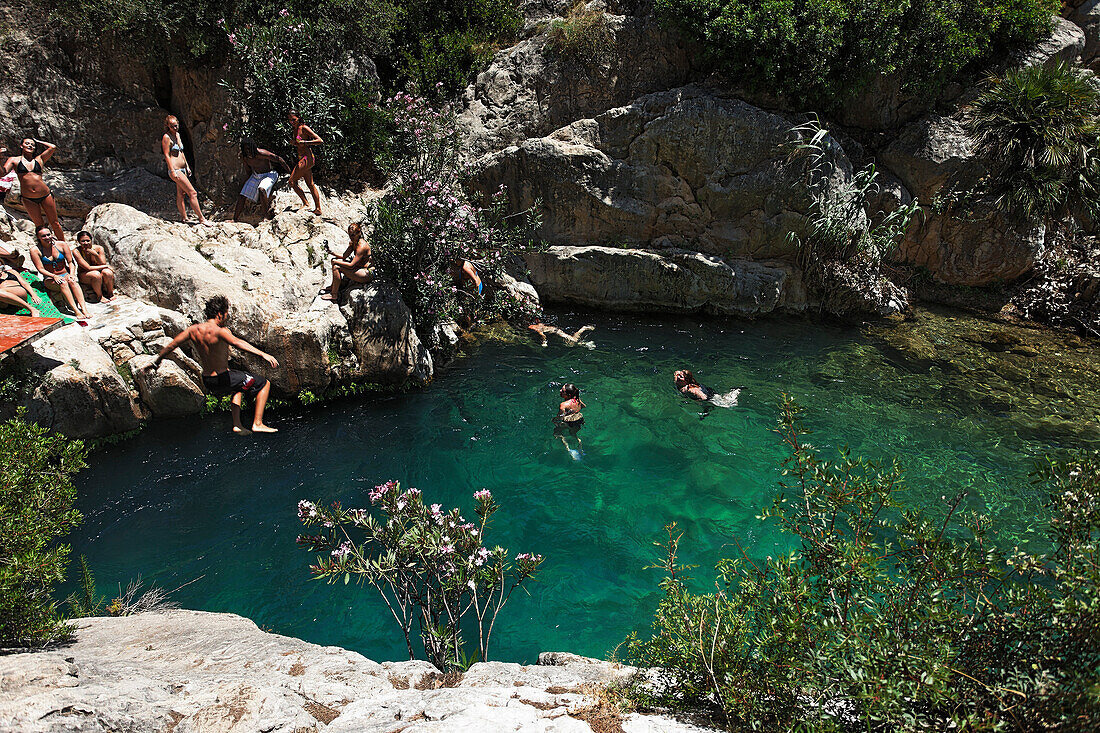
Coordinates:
<point>431,567</point>
<point>583,37</point>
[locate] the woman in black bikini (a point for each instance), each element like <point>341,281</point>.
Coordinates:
<point>35,194</point>
<point>304,139</point>
<point>178,170</point>
<point>689,387</point>
<point>57,266</point>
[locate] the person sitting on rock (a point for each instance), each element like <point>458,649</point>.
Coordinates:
<point>353,264</point>
<point>92,267</point>
<point>263,169</point>
<point>462,269</point>
<point>544,329</point>
<point>56,264</point>
<point>33,191</point>
<point>689,387</point>
<point>14,290</point>
<point>212,340</point>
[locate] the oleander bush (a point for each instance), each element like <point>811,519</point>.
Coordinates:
<point>432,568</point>
<point>426,225</point>
<point>818,54</point>
<point>36,510</point>
<point>886,617</point>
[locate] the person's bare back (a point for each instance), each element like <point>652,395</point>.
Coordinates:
<point>212,344</point>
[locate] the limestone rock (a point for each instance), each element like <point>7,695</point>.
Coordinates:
<point>529,91</point>
<point>930,153</point>
<point>677,281</point>
<point>81,393</point>
<point>978,250</point>
<point>272,275</point>
<point>195,671</point>
<point>77,192</point>
<point>679,168</point>
<point>1065,42</point>
<point>168,391</point>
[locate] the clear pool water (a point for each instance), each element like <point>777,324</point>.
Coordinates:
<point>186,501</point>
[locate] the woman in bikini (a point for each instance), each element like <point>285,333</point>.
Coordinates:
<point>178,170</point>
<point>570,419</point>
<point>14,290</point>
<point>304,139</point>
<point>689,387</point>
<point>35,194</point>
<point>57,266</point>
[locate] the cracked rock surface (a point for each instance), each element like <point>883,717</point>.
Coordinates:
<point>190,671</point>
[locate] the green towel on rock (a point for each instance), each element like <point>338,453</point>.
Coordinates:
<point>47,307</point>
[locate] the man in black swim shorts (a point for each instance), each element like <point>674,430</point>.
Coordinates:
<point>212,340</point>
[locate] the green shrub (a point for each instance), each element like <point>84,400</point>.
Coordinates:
<point>1039,127</point>
<point>36,508</point>
<point>888,618</point>
<point>583,37</point>
<point>821,52</point>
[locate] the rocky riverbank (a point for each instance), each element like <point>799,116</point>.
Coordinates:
<point>193,671</point>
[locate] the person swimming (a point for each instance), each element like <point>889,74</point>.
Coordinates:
<point>688,386</point>
<point>544,329</point>
<point>570,419</point>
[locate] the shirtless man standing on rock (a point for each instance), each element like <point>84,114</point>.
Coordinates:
<point>212,340</point>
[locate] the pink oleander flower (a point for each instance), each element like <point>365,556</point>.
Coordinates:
<point>306,510</point>
<point>283,13</point>
<point>342,551</point>
<point>483,495</point>
<point>233,39</point>
<point>446,550</point>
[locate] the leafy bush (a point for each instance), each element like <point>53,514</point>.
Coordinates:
<point>431,567</point>
<point>36,508</point>
<point>583,37</point>
<point>888,618</point>
<point>1039,127</point>
<point>821,53</point>
<point>425,224</point>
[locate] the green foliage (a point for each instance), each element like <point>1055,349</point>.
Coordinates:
<point>841,226</point>
<point>36,508</point>
<point>1039,127</point>
<point>426,226</point>
<point>583,37</point>
<point>85,601</point>
<point>888,618</point>
<point>822,52</point>
<point>431,567</point>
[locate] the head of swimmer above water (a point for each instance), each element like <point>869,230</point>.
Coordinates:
<point>684,378</point>
<point>570,392</point>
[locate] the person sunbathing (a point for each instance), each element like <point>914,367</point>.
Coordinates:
<point>14,290</point>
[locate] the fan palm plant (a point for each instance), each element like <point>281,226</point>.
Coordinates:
<point>1039,128</point>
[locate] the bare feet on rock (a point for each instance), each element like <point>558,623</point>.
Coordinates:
<point>328,297</point>
<point>241,431</point>
<point>261,428</point>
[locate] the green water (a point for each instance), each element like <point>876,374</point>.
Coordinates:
<point>186,500</point>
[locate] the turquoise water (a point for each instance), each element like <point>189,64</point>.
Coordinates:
<point>186,501</point>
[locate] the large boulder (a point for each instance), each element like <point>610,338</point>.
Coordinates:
<point>272,275</point>
<point>1064,43</point>
<point>79,392</point>
<point>680,168</point>
<point>168,391</point>
<point>1087,17</point>
<point>932,157</point>
<point>671,280</point>
<point>77,192</point>
<point>530,89</point>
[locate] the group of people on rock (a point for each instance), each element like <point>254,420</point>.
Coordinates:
<point>62,270</point>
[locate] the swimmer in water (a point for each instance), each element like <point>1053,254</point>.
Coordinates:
<point>688,386</point>
<point>543,329</point>
<point>570,419</point>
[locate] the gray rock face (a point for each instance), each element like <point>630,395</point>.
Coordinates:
<point>272,276</point>
<point>930,153</point>
<point>76,193</point>
<point>168,390</point>
<point>1065,42</point>
<point>81,393</point>
<point>675,281</point>
<point>1087,17</point>
<point>529,90</point>
<point>679,168</point>
<point>194,671</point>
